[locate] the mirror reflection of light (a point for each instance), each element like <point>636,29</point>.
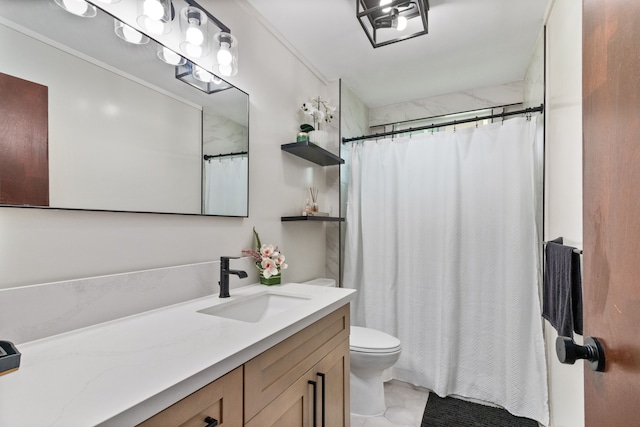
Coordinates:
<point>202,74</point>
<point>153,9</point>
<point>131,35</point>
<point>170,57</point>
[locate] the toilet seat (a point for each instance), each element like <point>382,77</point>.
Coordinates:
<point>365,340</point>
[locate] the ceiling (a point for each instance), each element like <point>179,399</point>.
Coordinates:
<point>471,44</point>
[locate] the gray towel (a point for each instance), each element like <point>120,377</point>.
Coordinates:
<point>562,289</point>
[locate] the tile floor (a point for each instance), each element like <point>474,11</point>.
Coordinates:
<point>405,406</point>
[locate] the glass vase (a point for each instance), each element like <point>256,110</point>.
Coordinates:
<point>273,280</point>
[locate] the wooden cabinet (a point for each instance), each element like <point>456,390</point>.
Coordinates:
<point>220,400</point>
<point>305,376</point>
<point>279,382</point>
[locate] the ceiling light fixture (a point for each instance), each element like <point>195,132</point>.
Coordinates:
<point>78,7</point>
<point>129,34</point>
<point>377,17</point>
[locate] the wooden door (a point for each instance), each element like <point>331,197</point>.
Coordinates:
<point>24,136</point>
<point>611,161</point>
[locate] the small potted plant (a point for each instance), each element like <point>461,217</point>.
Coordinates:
<point>269,261</point>
<point>319,111</point>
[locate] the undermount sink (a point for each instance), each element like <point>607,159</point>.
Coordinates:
<point>254,308</point>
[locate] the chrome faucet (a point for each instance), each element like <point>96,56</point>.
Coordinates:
<point>224,275</point>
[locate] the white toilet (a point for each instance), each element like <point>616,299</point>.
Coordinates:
<point>371,352</point>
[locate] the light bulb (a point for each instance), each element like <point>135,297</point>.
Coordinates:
<point>224,55</point>
<point>193,50</point>
<point>170,57</point>
<point>402,23</point>
<point>131,35</point>
<point>386,9</point>
<point>202,74</point>
<point>77,7</point>
<point>194,35</point>
<point>153,9</point>
<point>154,26</point>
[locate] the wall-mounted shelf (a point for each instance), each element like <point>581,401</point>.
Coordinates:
<point>311,218</point>
<point>312,153</point>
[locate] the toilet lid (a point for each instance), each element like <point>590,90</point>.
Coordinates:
<point>367,340</point>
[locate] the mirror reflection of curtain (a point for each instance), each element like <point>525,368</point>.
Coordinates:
<point>225,186</point>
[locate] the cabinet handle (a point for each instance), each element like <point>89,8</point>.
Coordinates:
<point>315,402</point>
<point>212,422</point>
<point>322,377</point>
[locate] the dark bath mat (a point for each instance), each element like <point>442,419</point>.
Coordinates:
<point>451,412</point>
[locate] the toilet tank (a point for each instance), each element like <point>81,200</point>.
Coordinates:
<point>322,282</point>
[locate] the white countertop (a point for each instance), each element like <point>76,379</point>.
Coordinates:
<point>121,372</point>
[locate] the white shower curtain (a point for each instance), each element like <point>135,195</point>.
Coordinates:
<point>225,186</point>
<point>442,246</point>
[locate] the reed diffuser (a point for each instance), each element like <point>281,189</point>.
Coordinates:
<point>314,198</point>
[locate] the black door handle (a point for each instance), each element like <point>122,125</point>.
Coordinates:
<point>322,376</point>
<point>211,422</point>
<point>315,402</point>
<point>592,351</point>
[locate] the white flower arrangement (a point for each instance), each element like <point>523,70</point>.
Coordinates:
<point>319,110</point>
<point>269,260</point>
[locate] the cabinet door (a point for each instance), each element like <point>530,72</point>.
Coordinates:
<point>332,374</point>
<point>293,408</point>
<point>272,372</point>
<point>220,400</point>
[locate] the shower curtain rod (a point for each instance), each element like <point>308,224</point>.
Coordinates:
<point>529,110</point>
<point>207,156</point>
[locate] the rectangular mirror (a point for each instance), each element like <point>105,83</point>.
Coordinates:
<point>119,131</point>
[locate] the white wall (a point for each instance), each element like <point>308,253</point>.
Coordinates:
<point>563,169</point>
<point>492,96</point>
<point>38,245</point>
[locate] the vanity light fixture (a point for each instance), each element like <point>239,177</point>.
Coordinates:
<point>391,21</point>
<point>224,48</point>
<point>169,56</point>
<point>225,60</point>
<point>193,25</point>
<point>129,34</point>
<point>154,16</point>
<point>78,7</point>
<point>200,78</point>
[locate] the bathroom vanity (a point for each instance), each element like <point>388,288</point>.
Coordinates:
<point>304,377</point>
<point>266,356</point>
